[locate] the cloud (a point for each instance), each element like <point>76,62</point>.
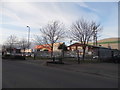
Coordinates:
<point>30,14</point>
<point>23,13</point>
<point>83,4</point>
<point>59,0</point>
<point>36,16</point>
<point>109,31</point>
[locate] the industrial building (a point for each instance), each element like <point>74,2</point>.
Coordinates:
<point>112,43</point>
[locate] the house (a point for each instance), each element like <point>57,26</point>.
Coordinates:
<point>46,47</point>
<point>77,46</point>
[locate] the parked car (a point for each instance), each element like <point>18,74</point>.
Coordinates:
<point>95,57</point>
<point>13,56</point>
<point>27,54</point>
<point>19,56</point>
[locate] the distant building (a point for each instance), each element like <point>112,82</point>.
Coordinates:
<point>46,47</point>
<point>113,43</point>
<point>26,50</point>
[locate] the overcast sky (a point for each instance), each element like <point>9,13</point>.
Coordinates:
<point>17,15</point>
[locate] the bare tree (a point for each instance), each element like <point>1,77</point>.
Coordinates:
<point>83,31</point>
<point>11,42</point>
<point>38,40</point>
<point>52,33</point>
<point>23,44</point>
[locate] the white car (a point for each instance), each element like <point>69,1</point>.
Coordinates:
<point>95,57</point>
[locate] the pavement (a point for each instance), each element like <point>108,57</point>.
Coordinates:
<point>109,70</point>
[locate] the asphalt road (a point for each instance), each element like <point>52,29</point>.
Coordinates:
<point>20,74</point>
<point>0,71</point>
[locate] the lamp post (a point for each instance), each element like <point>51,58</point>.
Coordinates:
<point>95,36</point>
<point>28,36</point>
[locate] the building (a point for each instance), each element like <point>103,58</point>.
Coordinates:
<point>75,46</point>
<point>78,46</point>
<point>112,43</point>
<point>98,51</point>
<point>46,47</point>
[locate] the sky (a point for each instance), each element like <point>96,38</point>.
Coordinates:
<point>16,16</point>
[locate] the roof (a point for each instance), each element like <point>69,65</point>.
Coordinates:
<point>79,44</point>
<point>75,44</point>
<point>47,45</point>
<point>109,40</point>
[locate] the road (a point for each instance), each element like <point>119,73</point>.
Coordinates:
<point>20,74</point>
<point>0,70</point>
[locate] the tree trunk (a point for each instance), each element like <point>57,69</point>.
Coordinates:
<point>24,52</point>
<point>78,57</point>
<point>84,48</point>
<point>62,55</point>
<point>52,53</point>
<point>10,50</point>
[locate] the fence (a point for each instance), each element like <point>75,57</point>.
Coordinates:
<point>67,54</point>
<point>102,54</point>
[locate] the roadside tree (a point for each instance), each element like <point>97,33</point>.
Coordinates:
<point>11,42</point>
<point>83,32</point>
<point>23,44</point>
<point>52,33</point>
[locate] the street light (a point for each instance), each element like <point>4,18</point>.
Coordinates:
<point>95,35</point>
<point>28,36</point>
